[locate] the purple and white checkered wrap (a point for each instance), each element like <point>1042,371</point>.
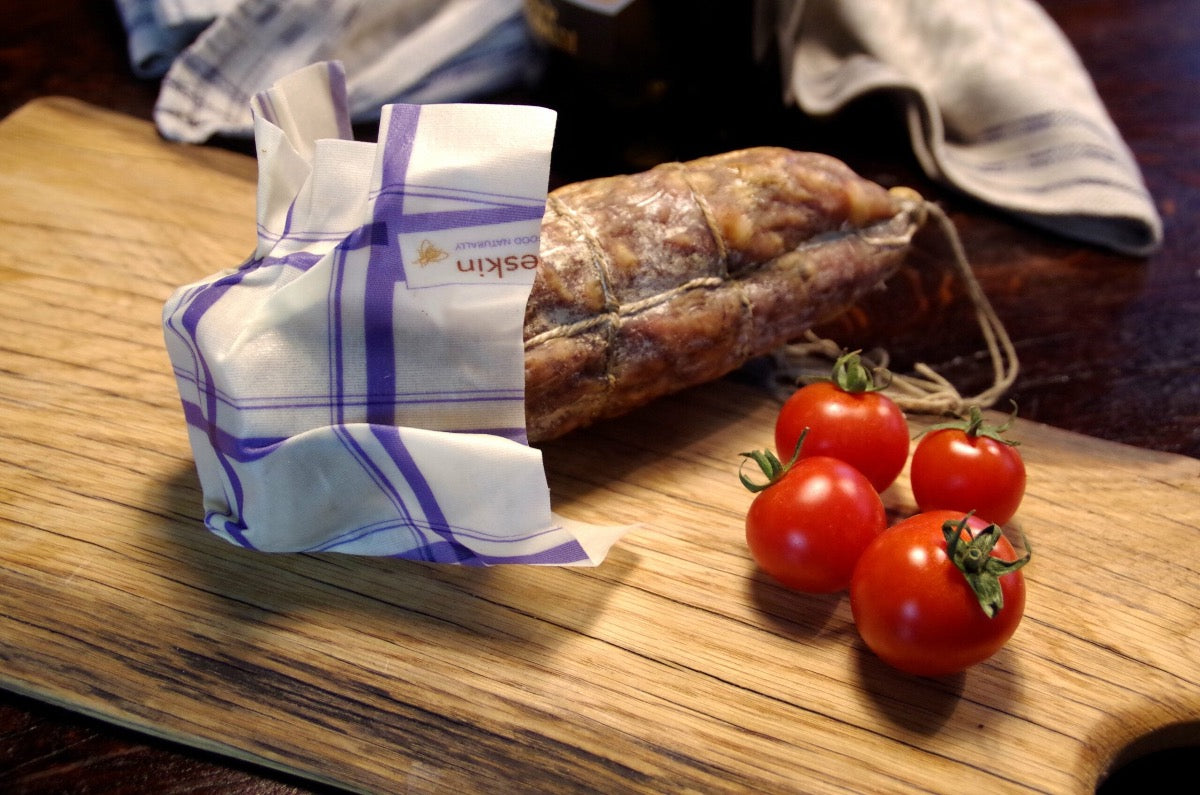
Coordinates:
<point>358,384</point>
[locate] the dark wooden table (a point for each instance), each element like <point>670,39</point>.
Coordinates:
<point>1109,345</point>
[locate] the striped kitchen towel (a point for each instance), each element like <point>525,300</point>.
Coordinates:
<point>156,31</point>
<point>358,384</point>
<point>998,105</point>
<point>401,51</point>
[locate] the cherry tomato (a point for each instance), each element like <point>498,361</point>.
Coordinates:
<point>968,467</point>
<point>847,420</point>
<point>918,611</point>
<point>809,525</point>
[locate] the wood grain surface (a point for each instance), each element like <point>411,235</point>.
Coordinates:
<point>673,666</point>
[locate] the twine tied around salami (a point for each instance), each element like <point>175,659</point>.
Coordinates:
<point>419,312</point>
<point>924,391</point>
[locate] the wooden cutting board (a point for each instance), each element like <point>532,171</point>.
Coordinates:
<point>673,666</point>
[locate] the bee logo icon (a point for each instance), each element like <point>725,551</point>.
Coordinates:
<point>428,253</point>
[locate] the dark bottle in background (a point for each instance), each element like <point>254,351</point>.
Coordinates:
<point>640,82</point>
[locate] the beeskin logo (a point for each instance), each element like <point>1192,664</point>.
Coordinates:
<point>444,260</point>
<point>428,253</point>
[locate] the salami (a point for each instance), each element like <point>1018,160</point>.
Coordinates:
<point>654,282</point>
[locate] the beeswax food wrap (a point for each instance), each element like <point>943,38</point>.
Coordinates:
<point>357,385</point>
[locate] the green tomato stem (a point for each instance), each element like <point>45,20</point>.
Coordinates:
<point>770,465</point>
<point>974,559</point>
<point>851,375</point>
<point>975,426</point>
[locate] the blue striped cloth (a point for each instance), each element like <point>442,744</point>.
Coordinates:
<point>358,384</point>
<point>997,102</point>
<point>214,56</point>
<point>156,31</point>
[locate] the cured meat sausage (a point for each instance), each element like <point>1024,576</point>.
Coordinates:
<point>654,282</point>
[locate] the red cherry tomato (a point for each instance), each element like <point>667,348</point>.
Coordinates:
<point>918,611</point>
<point>968,468</point>
<point>809,526</point>
<point>847,420</point>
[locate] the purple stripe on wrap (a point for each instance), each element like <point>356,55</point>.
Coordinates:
<point>300,260</point>
<point>430,191</point>
<point>567,552</point>
<point>401,133</point>
<point>307,236</point>
<point>385,268</point>
<point>226,444</point>
<point>372,469</point>
<point>442,551</point>
<point>457,219</point>
<point>300,401</point>
<point>335,336</point>
<point>369,236</point>
<point>341,99</point>
<point>266,108</point>
<point>378,331</point>
<point>244,449</point>
<point>451,551</point>
<point>563,554</point>
<point>190,321</point>
<point>287,220</point>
